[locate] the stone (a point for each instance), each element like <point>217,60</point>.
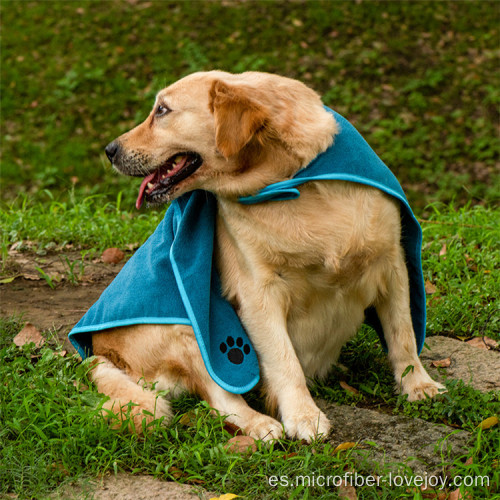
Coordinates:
<point>131,487</point>
<point>479,368</point>
<point>386,440</point>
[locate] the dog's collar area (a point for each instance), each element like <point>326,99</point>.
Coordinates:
<point>271,193</point>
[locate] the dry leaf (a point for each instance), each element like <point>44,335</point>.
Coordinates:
<point>232,429</point>
<point>428,492</point>
<point>226,496</point>
<point>32,276</point>
<point>29,334</point>
<point>188,419</point>
<point>442,363</point>
<point>489,422</point>
<point>483,343</point>
<point>8,280</point>
<point>456,495</point>
<point>175,472</point>
<point>443,250</point>
<point>347,492</point>
<point>241,444</point>
<point>348,388</point>
<point>430,288</point>
<point>112,255</point>
<point>344,446</point>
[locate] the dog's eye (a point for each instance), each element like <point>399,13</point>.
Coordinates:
<point>162,110</point>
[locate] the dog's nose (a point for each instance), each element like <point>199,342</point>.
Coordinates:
<point>111,150</point>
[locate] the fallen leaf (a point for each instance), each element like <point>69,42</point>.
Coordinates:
<point>232,429</point>
<point>469,461</point>
<point>430,288</point>
<point>188,419</point>
<point>32,277</point>
<point>428,492</point>
<point>241,444</point>
<point>442,363</point>
<point>290,455</point>
<point>348,388</point>
<point>61,353</point>
<point>456,495</point>
<point>443,250</point>
<point>175,472</point>
<point>112,255</point>
<point>483,343</point>
<point>347,492</point>
<point>487,423</point>
<point>29,334</point>
<point>9,280</point>
<point>58,467</point>
<point>344,446</point>
<point>80,386</point>
<point>226,496</point>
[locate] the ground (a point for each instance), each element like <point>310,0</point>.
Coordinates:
<point>54,304</point>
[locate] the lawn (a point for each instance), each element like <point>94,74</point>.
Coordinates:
<point>419,80</point>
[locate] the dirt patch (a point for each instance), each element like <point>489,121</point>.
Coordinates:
<point>76,284</point>
<point>127,487</point>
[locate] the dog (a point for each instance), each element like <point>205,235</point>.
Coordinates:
<point>300,273</point>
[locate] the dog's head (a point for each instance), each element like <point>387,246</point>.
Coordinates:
<point>228,134</point>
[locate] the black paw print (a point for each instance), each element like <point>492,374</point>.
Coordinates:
<point>236,353</point>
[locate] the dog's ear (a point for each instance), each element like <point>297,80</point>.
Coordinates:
<point>237,117</point>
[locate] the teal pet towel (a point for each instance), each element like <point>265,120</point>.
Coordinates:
<point>172,279</point>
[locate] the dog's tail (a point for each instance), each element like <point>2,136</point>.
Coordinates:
<point>129,404</point>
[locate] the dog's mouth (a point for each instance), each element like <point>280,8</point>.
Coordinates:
<point>156,186</point>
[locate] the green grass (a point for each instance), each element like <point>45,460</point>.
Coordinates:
<point>419,79</point>
<point>91,222</point>
<point>52,433</point>
<point>466,274</point>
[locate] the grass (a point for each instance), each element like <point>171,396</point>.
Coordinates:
<point>419,79</point>
<point>53,433</point>
<point>92,222</point>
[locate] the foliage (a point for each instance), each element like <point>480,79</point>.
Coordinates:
<point>419,79</point>
<point>53,433</point>
<point>460,257</point>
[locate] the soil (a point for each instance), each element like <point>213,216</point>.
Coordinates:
<point>59,308</point>
<point>77,284</point>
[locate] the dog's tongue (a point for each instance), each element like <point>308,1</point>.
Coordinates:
<point>140,198</point>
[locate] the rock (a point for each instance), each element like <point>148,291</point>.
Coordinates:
<point>128,487</point>
<point>398,439</point>
<point>241,444</point>
<point>479,368</point>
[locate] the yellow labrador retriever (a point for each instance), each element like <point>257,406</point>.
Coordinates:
<point>301,273</point>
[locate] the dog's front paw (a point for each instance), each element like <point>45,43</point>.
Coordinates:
<point>307,423</point>
<point>263,427</point>
<point>419,385</point>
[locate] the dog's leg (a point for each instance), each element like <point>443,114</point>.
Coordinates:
<point>121,389</point>
<point>168,356</point>
<point>393,309</point>
<point>283,377</point>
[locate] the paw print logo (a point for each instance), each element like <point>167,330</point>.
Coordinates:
<point>235,351</point>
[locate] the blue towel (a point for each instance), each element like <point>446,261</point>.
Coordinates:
<point>171,279</point>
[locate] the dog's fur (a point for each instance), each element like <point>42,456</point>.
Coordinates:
<point>300,273</point>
